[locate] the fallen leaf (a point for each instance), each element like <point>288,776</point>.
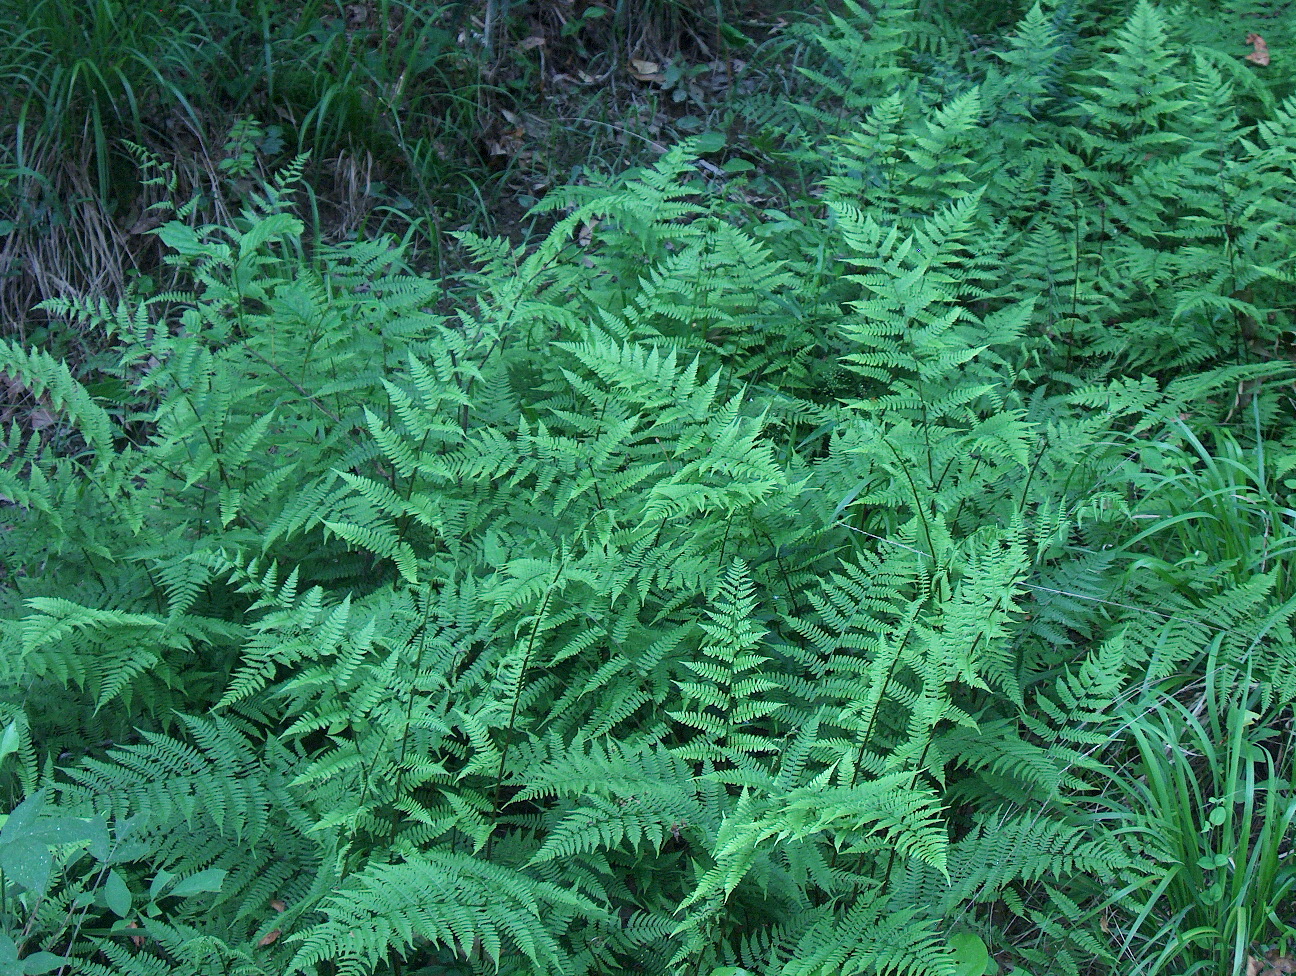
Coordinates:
<point>147,222</point>
<point>1260,55</point>
<point>1272,964</point>
<point>646,71</point>
<point>533,41</point>
<point>1280,964</point>
<point>269,938</point>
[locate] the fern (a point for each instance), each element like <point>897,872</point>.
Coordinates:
<point>713,584</point>
<point>452,900</point>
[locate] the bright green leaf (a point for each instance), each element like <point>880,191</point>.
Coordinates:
<point>209,880</point>
<point>971,957</point>
<point>709,142</point>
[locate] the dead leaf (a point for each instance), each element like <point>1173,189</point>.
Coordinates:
<point>137,939</point>
<point>506,145</point>
<point>1280,964</point>
<point>278,905</point>
<point>269,938</point>
<point>147,222</point>
<point>534,40</point>
<point>646,71</point>
<point>1260,55</point>
<point>1271,965</point>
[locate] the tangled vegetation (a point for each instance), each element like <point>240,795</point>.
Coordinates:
<point>856,538</point>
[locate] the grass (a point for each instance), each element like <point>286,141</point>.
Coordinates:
<point>1208,793</point>
<point>225,92</point>
<point>411,119</point>
<point>1223,505</point>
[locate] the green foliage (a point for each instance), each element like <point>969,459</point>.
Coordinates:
<point>701,588</point>
<point>222,91</point>
<point>88,71</point>
<point>1210,795</point>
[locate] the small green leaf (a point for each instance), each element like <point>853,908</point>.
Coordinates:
<point>160,881</point>
<point>1209,862</point>
<point>734,37</point>
<point>971,957</point>
<point>99,845</point>
<point>111,389</point>
<point>42,962</point>
<point>209,880</point>
<point>20,819</point>
<point>708,142</point>
<point>8,955</point>
<point>116,895</point>
<point>27,863</point>
<point>180,237</point>
<point>10,740</point>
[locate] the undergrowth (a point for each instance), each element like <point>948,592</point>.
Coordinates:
<point>893,579</point>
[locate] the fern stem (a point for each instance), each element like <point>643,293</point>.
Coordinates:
<point>918,505</point>
<point>962,501</point>
<point>409,705</point>
<point>793,604</point>
<point>407,517</point>
<point>296,386</point>
<point>940,482</point>
<point>868,732</point>
<point>214,446</point>
<point>886,682</point>
<point>517,700</point>
<point>1021,502</point>
<point>724,541</point>
<point>598,495</point>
